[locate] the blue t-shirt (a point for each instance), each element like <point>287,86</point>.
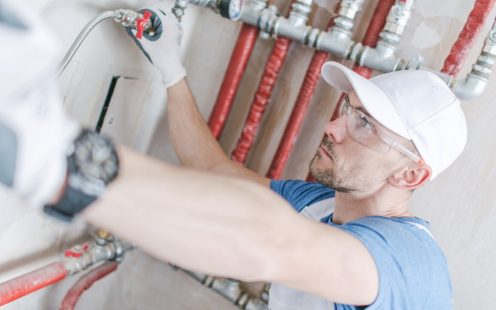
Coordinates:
<point>413,272</point>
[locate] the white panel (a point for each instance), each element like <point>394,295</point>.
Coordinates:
<point>128,97</point>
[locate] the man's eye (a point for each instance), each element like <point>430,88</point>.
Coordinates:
<point>366,123</point>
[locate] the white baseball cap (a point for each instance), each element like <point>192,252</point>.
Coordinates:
<point>416,105</point>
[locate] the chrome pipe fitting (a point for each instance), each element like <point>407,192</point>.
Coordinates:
<point>396,22</point>
<point>267,20</point>
<point>179,8</point>
<point>230,9</point>
<point>228,288</point>
<point>476,81</point>
<point>252,11</point>
<point>383,57</point>
<point>337,40</point>
<point>300,9</point>
<point>295,26</point>
<point>347,13</point>
<point>81,257</point>
<point>128,18</point>
<point>124,17</point>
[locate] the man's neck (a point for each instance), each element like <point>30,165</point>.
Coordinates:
<point>390,202</point>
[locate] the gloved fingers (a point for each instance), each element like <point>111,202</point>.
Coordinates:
<point>132,33</point>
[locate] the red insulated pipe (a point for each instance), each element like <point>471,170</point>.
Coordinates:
<point>371,37</point>
<point>84,283</point>
<point>232,78</point>
<point>30,282</point>
<point>473,25</point>
<point>295,121</point>
<point>300,108</point>
<point>261,99</point>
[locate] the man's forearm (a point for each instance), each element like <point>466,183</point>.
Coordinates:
<point>194,144</point>
<point>211,223</point>
<point>191,137</point>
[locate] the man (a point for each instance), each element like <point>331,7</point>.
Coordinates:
<point>222,219</point>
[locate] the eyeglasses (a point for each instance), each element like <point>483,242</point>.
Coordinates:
<point>361,129</point>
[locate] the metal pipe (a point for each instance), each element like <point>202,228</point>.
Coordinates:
<point>337,41</point>
<point>31,282</point>
<point>232,291</point>
<point>230,9</point>
<point>81,37</point>
<point>127,18</point>
<point>461,47</point>
<point>383,57</point>
<point>374,29</point>
<point>76,259</point>
<point>85,282</point>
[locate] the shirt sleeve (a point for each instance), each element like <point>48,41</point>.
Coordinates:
<point>301,193</point>
<point>412,269</point>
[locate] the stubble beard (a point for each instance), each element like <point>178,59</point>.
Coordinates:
<point>328,176</point>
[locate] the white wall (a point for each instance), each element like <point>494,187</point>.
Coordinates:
<point>459,203</point>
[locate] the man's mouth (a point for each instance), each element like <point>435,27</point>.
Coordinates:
<point>325,152</point>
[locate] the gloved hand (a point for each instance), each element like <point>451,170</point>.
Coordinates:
<point>162,48</point>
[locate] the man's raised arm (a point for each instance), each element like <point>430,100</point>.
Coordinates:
<point>191,137</point>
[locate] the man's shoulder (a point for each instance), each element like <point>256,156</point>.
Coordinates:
<point>408,259</point>
<point>301,194</point>
<point>402,232</point>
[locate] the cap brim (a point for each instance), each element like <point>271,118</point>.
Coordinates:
<point>371,96</point>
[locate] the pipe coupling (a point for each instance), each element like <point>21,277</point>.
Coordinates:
<point>80,257</point>
<point>267,21</point>
<point>251,12</point>
<point>129,18</point>
<point>396,22</point>
<point>347,13</point>
<point>475,82</point>
<point>300,10</point>
<point>487,57</point>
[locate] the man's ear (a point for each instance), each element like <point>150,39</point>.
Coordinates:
<point>411,177</point>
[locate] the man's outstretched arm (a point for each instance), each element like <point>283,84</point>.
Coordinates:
<point>231,227</point>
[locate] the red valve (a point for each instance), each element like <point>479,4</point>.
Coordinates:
<point>77,250</point>
<point>140,23</point>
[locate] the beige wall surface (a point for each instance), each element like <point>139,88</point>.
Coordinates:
<point>460,203</point>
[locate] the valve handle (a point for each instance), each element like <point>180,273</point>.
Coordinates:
<point>77,250</point>
<point>140,23</point>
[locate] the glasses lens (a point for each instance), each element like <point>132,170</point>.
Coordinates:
<point>345,106</point>
<point>363,131</point>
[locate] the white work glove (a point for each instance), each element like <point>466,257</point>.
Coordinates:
<point>35,132</point>
<point>162,49</point>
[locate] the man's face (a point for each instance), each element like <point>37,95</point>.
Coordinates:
<point>346,165</point>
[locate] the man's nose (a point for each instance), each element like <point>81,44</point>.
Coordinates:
<point>336,129</point>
